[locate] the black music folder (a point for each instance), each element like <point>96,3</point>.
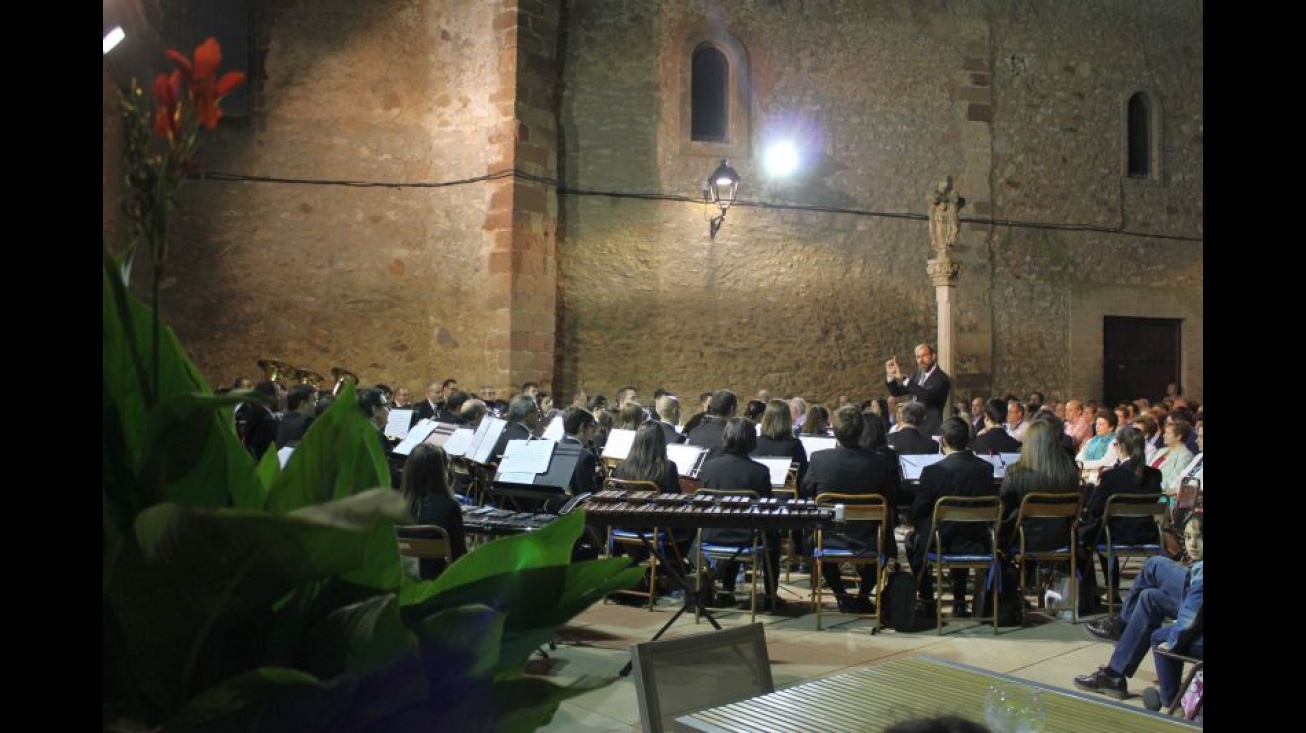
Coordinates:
<point>552,482</point>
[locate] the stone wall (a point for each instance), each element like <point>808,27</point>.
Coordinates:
<point>611,278</point>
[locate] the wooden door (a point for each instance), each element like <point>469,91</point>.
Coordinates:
<point>1140,356</point>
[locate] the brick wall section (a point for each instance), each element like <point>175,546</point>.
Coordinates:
<point>501,281</point>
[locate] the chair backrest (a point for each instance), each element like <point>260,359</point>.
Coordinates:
<point>429,541</point>
<point>631,485</point>
<point>675,677</point>
<point>1135,506</point>
<point>967,509</point>
<point>1043,509</point>
<point>857,507</point>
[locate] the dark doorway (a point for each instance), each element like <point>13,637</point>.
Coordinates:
<point>1140,356</point>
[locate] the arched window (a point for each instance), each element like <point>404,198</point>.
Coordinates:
<point>710,77</point>
<point>1140,136</point>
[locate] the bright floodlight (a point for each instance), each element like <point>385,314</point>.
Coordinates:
<point>781,159</point>
<point>113,38</point>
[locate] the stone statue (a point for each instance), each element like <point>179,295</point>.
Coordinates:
<point>944,225</point>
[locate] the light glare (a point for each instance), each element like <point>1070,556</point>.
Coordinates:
<point>113,38</point>
<point>781,159</point>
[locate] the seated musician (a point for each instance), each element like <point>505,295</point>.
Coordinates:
<point>300,407</point>
<point>818,421</point>
<point>994,437</point>
<point>377,409</point>
<point>777,437</point>
<point>631,415</point>
<point>908,440</point>
<point>710,430</point>
<point>453,407</point>
<point>850,469</point>
<point>732,469</point>
<point>525,421</point>
<point>260,421</point>
<point>960,473</point>
<point>1131,476</point>
<point>472,413</point>
<point>668,408</point>
<point>427,486</point>
<point>578,426</point>
<point>647,461</point>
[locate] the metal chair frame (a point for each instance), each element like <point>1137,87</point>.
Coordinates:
<point>1042,505</point>
<point>745,554</point>
<point>1128,505</point>
<point>654,540</point>
<point>857,508</point>
<point>963,509</point>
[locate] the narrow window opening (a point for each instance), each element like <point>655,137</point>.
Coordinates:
<point>1140,147</point>
<point>710,76</point>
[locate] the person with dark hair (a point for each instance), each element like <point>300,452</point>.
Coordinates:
<point>1131,475</point>
<point>818,421</point>
<point>1096,453</point>
<point>1043,467</point>
<point>1035,402</point>
<point>928,386</point>
<point>597,403</point>
<point>260,422</point>
<point>732,469</point>
<point>452,408</point>
<point>908,440</point>
<point>777,437</point>
<point>1163,589</point>
<point>605,420</point>
<point>754,409</point>
<point>849,468</point>
<point>578,428</point>
<point>647,460</point>
<point>376,407</point>
<point>709,432</point>
<point>960,473</point>
<point>427,486</point>
<point>994,438</point>
<point>704,400</point>
<point>300,405</point>
<point>529,389</point>
<point>626,395</point>
<point>631,415</point>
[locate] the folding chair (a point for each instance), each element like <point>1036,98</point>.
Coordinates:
<point>982,510</point>
<point>1127,506</point>
<point>749,553</point>
<point>656,541</point>
<point>424,542</point>
<point>674,677</point>
<point>858,508</point>
<point>1049,510</point>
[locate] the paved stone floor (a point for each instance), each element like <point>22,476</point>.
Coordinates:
<point>597,643</point>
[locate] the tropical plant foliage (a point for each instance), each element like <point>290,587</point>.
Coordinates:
<point>244,597</point>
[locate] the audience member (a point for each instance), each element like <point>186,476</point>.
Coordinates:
<point>994,438</point>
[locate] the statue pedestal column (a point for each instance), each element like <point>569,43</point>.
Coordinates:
<point>943,273</point>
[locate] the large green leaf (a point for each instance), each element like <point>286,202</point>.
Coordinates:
<point>271,699</point>
<point>459,643</point>
<point>199,573</point>
<point>359,639</point>
<point>194,454</point>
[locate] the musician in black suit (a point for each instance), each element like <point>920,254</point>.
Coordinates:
<point>578,426</point>
<point>668,416</point>
<point>261,422</point>
<point>732,469</point>
<point>300,406</point>
<point>929,386</point>
<point>908,440</point>
<point>709,432</point>
<point>776,438</point>
<point>427,408</point>
<point>850,469</point>
<point>994,438</point>
<point>960,473</point>
<point>376,407</point>
<point>524,422</point>
<point>1131,475</point>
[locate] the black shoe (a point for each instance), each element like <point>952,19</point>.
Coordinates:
<point>1152,698</point>
<point>1102,681</point>
<point>960,611</point>
<point>845,603</point>
<point>627,600</point>
<point>1106,629</point>
<point>862,604</point>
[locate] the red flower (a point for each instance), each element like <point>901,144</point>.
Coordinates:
<point>205,92</point>
<point>167,112</point>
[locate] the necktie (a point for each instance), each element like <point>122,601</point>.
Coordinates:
<point>922,379</point>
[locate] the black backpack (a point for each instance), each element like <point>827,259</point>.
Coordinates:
<point>1009,598</point>
<point>899,607</point>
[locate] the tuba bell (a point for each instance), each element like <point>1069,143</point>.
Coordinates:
<point>276,371</point>
<point>309,377</point>
<point>340,375</point>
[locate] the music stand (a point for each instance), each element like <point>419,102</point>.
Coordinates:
<point>544,488</point>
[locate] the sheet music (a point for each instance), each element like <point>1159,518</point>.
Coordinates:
<point>459,442</point>
<point>487,434</point>
<point>526,457</point>
<point>912,465</point>
<point>441,434</point>
<point>396,426</point>
<point>778,466</point>
<point>618,445</point>
<point>1010,458</point>
<point>814,443</point>
<point>999,465</point>
<point>283,455</point>
<point>416,434</point>
<point>686,457</point>
<point>554,432</point>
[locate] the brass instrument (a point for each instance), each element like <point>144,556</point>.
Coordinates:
<point>309,377</point>
<point>276,371</point>
<point>340,375</point>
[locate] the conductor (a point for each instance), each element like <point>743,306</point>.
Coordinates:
<point>928,386</point>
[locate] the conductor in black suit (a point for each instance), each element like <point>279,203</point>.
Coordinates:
<point>929,386</point>
<point>960,473</point>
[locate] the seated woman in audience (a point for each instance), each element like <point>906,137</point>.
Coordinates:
<point>1163,589</point>
<point>1096,454</point>
<point>818,421</point>
<point>1174,456</point>
<point>1131,476</point>
<point>428,489</point>
<point>1043,467</point>
<point>1145,423</point>
<point>777,439</point>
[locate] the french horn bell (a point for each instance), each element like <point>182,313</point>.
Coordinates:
<point>341,374</point>
<point>275,370</point>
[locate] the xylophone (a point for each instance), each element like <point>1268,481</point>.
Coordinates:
<point>675,511</point>
<point>488,520</point>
